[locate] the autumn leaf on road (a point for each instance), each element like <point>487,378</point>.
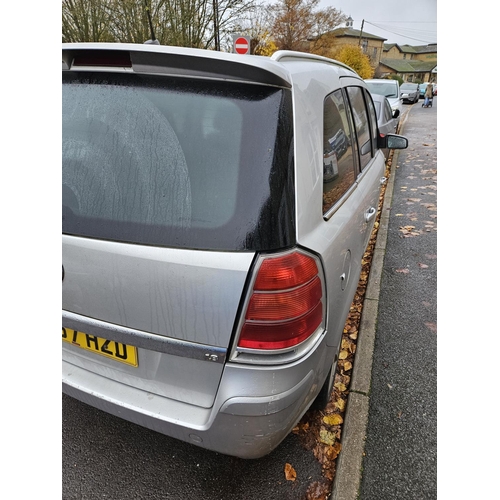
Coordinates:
<point>326,437</point>
<point>347,366</point>
<point>333,419</point>
<point>290,473</point>
<point>431,326</point>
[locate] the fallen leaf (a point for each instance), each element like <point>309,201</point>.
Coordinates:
<point>318,491</point>
<point>340,386</point>
<point>333,419</point>
<point>403,271</point>
<point>340,404</point>
<point>326,437</point>
<point>431,326</point>
<point>290,473</point>
<point>343,354</point>
<point>423,266</point>
<point>347,366</point>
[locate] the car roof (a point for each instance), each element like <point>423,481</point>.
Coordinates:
<point>381,80</point>
<point>201,63</point>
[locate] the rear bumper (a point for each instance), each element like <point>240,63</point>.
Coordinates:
<point>255,407</point>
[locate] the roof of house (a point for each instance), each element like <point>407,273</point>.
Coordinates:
<point>412,49</point>
<point>351,32</point>
<point>408,65</point>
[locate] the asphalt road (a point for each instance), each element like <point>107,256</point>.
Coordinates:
<point>106,457</point>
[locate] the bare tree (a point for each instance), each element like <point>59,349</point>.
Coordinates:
<point>257,26</point>
<point>86,21</point>
<point>295,23</point>
<point>185,23</point>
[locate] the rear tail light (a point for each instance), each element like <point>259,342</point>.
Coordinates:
<point>286,303</point>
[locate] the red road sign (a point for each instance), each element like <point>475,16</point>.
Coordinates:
<point>241,45</point>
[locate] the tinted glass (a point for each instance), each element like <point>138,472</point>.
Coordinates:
<point>179,163</point>
<point>388,89</point>
<point>373,120</point>
<point>338,161</point>
<point>361,125</point>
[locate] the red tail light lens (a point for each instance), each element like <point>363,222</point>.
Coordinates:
<point>286,306</point>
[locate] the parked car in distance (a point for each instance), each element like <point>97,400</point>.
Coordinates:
<point>410,92</point>
<point>215,212</point>
<point>387,118</point>
<point>435,91</point>
<point>423,86</point>
<point>388,88</point>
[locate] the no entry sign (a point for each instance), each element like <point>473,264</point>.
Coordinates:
<point>241,45</point>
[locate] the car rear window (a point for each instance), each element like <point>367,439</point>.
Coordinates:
<point>177,162</point>
<point>387,89</point>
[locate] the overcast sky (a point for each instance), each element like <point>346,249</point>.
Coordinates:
<point>412,22</point>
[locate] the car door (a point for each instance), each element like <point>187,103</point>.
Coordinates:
<point>371,164</point>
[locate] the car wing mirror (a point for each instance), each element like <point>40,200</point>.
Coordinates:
<point>395,113</point>
<point>392,141</point>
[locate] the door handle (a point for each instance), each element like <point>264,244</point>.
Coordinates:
<point>370,213</point>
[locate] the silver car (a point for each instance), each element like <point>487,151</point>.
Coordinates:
<point>388,88</point>
<point>208,268</point>
<point>410,92</point>
<point>387,118</point>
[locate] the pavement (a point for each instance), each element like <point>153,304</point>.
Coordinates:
<point>389,440</point>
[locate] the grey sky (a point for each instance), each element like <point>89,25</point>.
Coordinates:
<point>412,22</point>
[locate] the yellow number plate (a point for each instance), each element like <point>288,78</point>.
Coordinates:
<point>110,348</point>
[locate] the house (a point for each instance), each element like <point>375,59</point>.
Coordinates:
<point>372,45</point>
<point>411,63</point>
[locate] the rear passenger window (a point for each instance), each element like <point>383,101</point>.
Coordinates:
<point>373,120</point>
<point>360,117</point>
<point>338,161</point>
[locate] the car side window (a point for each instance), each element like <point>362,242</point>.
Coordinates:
<point>338,159</point>
<point>387,111</point>
<point>360,115</point>
<point>373,120</point>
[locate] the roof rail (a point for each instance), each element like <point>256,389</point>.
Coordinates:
<point>282,55</point>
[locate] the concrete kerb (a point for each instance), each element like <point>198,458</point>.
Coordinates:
<point>349,463</point>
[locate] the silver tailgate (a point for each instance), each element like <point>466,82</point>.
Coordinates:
<point>186,298</point>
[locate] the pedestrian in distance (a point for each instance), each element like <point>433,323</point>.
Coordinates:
<point>428,95</point>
